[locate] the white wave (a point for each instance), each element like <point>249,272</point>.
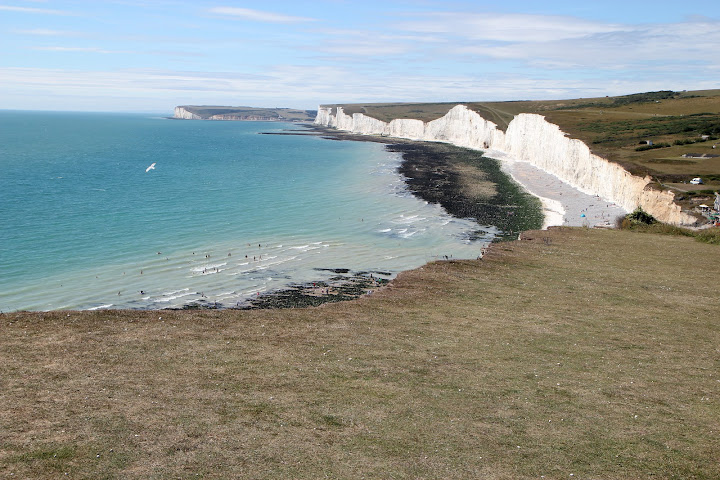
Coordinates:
<point>279,262</point>
<point>101,307</point>
<point>170,298</point>
<point>409,219</point>
<point>208,269</point>
<point>175,292</point>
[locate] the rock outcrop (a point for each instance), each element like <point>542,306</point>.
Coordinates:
<point>528,138</point>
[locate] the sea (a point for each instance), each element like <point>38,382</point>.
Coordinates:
<point>229,210</point>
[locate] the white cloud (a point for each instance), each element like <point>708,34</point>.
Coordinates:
<point>364,48</point>
<point>258,15</point>
<point>42,11</point>
<point>444,57</point>
<point>501,27</point>
<point>655,47</point>
<point>346,44</point>
<point>44,32</point>
<point>300,86</point>
<point>558,42</point>
<point>77,49</point>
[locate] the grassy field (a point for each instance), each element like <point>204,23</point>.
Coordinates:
<point>573,353</point>
<point>613,127</point>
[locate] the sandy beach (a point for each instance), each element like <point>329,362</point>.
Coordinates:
<point>563,204</point>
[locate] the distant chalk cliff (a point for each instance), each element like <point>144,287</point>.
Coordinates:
<point>212,112</point>
<point>529,138</point>
<point>181,112</point>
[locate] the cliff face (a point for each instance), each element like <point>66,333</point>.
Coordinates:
<point>180,112</point>
<point>529,138</point>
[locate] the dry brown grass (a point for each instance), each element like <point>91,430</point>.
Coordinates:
<point>576,351</point>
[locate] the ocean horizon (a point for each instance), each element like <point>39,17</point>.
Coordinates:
<point>226,214</point>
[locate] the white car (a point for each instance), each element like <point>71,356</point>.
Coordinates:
<point>696,181</point>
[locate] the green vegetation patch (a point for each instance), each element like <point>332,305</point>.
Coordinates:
<point>625,100</point>
<point>642,222</point>
<point>689,125</point>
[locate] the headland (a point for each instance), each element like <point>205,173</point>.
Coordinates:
<point>250,114</point>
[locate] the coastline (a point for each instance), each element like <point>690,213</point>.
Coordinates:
<point>431,173</point>
<point>562,204</point>
<point>466,183</point>
<point>437,173</point>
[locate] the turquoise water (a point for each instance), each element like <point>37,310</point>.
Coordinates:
<point>83,225</point>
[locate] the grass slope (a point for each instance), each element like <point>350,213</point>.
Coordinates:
<point>575,351</point>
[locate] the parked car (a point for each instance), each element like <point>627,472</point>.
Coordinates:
<point>696,181</point>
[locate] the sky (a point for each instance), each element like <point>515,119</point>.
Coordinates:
<point>149,56</point>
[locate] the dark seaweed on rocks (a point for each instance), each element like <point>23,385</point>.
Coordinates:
<point>432,173</point>
<point>313,294</point>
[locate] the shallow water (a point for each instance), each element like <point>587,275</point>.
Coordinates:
<point>226,213</point>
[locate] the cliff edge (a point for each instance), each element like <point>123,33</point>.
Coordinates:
<point>528,138</point>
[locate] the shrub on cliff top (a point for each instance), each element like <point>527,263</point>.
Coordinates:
<point>641,216</point>
<point>643,222</point>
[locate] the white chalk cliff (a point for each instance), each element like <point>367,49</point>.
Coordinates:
<point>180,112</point>
<point>529,138</point>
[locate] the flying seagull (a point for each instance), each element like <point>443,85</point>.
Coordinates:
<point>151,167</point>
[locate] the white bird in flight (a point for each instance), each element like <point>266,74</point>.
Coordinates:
<point>151,167</point>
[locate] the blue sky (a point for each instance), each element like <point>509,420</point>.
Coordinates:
<point>148,56</point>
